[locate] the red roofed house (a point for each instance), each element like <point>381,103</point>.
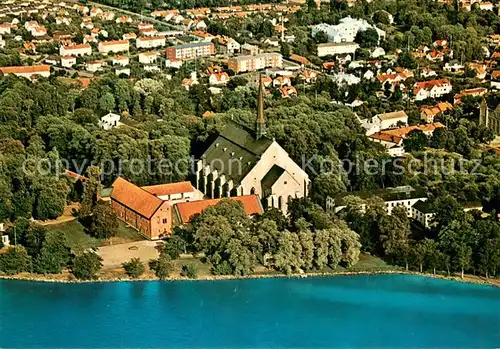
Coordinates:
<point>431,89</point>
<point>155,210</point>
<point>428,113</point>
<point>113,46</point>
<point>472,92</point>
<point>185,212</point>
<point>75,50</point>
<point>27,71</point>
<point>149,209</point>
<point>218,78</point>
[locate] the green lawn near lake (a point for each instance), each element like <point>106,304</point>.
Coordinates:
<point>79,241</point>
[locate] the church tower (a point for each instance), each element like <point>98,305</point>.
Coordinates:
<point>484,118</point>
<point>260,125</point>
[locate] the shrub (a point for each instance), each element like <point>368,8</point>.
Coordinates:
<point>134,268</point>
<point>189,270</point>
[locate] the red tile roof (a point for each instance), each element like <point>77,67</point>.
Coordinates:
<point>135,198</point>
<point>186,210</point>
<point>25,69</point>
<point>169,189</point>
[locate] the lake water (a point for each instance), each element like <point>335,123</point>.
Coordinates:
<point>396,311</point>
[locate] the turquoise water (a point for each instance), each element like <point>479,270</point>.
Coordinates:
<point>396,311</point>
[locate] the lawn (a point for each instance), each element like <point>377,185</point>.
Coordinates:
<point>79,241</point>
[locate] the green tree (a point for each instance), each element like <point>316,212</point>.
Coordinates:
<point>16,260</point>
<point>86,266</point>
<point>174,246</point>
<point>103,223</point>
<point>415,141</point>
<point>55,254</point>
<point>161,266</point>
<point>134,268</point>
<point>394,231</point>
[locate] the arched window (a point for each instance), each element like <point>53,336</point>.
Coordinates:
<point>252,191</point>
<point>280,202</point>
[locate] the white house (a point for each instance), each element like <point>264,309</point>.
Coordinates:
<point>109,121</point>
<point>148,57</point>
<point>422,212</point>
<point>218,78</point>
<point>393,144</point>
<point>68,61</point>
<point>431,89</point>
<point>332,48</point>
<point>346,30</point>
<point>115,46</point>
<point>405,196</point>
<point>384,121</point>
<point>75,50</point>
<point>150,42</point>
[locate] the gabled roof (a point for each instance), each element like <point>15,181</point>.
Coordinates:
<point>187,210</point>
<point>135,198</point>
<point>392,115</point>
<point>169,189</point>
<point>235,151</point>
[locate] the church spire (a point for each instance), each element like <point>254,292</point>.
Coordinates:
<point>260,125</point>
<point>483,113</point>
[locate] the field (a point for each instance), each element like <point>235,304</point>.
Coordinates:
<point>79,241</point>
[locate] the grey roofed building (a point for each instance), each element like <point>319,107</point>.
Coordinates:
<point>235,151</point>
<point>387,194</point>
<point>243,161</point>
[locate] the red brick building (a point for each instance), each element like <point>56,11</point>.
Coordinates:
<point>142,210</point>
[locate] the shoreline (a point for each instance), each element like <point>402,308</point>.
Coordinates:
<point>470,279</point>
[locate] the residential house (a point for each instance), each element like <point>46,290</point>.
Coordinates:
<point>75,50</point>
<point>108,121</point>
<point>123,19</point>
<point>471,92</point>
<point>250,50</point>
<point>229,45</point>
<point>150,42</point>
<point>287,91</point>
<point>129,36</point>
<point>346,30</point>
<point>404,196</point>
<point>431,89</point>
<point>218,78</point>
<point>384,121</point>
<point>429,113</point>
<point>120,60</point>
<point>27,71</point>
<point>114,46</point>
<point>148,57</point>
<point>332,49</point>
<point>94,66</point>
<point>68,61</point>
<point>393,144</point>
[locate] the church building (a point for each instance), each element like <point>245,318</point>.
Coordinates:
<point>490,119</point>
<point>244,161</point>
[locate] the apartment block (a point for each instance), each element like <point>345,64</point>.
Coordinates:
<point>255,62</point>
<point>190,51</point>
